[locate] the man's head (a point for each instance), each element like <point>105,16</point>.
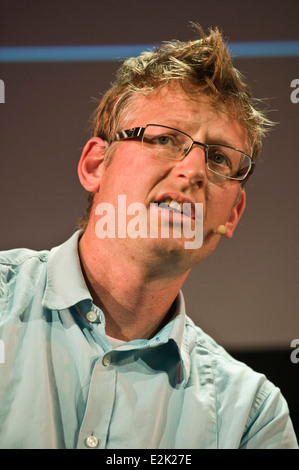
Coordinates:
<point>200,68</point>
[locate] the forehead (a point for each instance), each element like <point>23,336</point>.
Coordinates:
<point>194,114</point>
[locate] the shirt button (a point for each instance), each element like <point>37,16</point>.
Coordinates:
<point>91,442</point>
<point>91,316</point>
<point>106,360</point>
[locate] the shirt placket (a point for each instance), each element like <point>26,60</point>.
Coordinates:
<point>99,408</point>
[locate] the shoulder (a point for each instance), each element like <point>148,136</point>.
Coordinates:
<point>226,369</point>
<point>245,399</point>
<point>16,260</point>
<point>20,272</point>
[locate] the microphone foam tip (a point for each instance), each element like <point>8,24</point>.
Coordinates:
<point>221,230</point>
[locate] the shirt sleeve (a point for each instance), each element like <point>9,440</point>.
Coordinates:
<point>269,425</point>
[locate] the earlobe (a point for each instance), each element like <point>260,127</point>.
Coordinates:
<point>236,214</point>
<point>91,164</point>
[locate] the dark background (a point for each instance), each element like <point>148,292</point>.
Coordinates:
<point>245,294</point>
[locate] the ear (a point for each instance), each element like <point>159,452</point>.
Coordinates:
<point>91,164</point>
<point>235,216</point>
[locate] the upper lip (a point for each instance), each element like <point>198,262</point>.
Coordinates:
<point>181,199</point>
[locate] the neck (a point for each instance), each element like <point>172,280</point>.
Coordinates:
<point>135,293</point>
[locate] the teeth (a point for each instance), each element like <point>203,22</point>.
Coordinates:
<point>172,204</point>
<point>167,201</point>
<point>176,205</point>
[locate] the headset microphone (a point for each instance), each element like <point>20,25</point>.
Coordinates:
<point>221,230</point>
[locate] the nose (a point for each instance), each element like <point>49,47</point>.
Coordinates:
<point>193,166</point>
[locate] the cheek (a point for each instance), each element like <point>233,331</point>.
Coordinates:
<point>220,200</point>
<point>124,177</point>
<point>135,171</point>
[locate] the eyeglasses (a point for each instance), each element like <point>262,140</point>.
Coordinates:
<point>170,143</point>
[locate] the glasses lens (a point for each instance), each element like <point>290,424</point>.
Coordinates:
<point>228,162</point>
<point>165,142</point>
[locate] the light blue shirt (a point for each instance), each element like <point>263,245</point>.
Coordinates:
<point>62,384</point>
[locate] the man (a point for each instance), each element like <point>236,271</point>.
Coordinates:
<point>99,352</point>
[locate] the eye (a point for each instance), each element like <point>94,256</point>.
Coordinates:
<point>164,140</point>
<point>218,157</point>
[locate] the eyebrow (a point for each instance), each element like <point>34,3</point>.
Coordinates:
<point>221,141</point>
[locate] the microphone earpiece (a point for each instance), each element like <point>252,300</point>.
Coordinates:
<point>221,230</point>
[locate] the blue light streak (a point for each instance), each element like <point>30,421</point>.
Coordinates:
<point>240,50</point>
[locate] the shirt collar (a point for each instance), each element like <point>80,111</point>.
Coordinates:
<point>65,282</point>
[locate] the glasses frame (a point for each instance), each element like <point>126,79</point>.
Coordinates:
<point>137,133</point>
